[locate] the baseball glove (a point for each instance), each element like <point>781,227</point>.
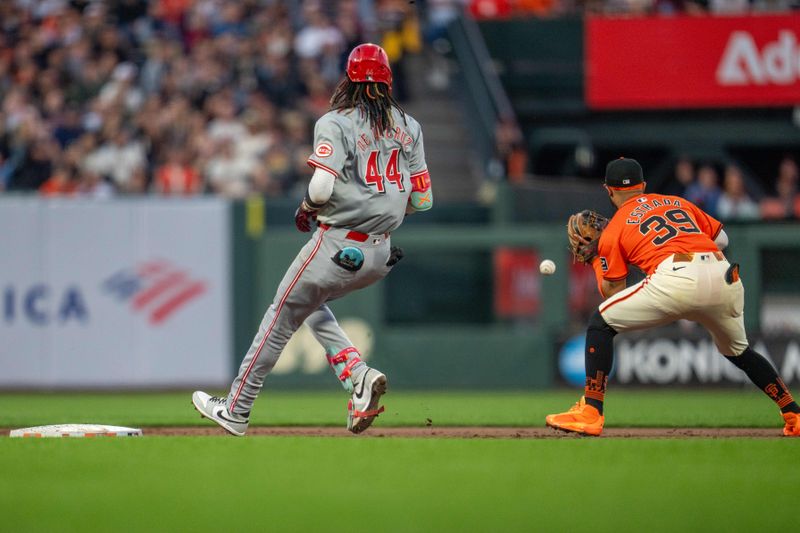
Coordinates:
<point>583,231</point>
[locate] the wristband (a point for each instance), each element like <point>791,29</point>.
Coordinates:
<point>309,205</point>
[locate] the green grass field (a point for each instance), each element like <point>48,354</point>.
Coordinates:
<point>397,484</point>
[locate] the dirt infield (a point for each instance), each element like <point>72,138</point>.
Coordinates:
<point>462,432</point>
<point>474,432</point>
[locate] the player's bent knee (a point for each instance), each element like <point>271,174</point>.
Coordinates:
<point>730,354</point>
<point>732,349</point>
<point>598,323</point>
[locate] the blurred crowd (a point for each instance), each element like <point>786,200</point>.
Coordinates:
<point>732,197</point>
<point>177,97</point>
<point>186,97</point>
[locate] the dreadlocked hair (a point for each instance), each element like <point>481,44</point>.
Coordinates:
<point>372,98</point>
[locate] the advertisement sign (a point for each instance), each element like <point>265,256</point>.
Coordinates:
<point>692,61</point>
<point>669,357</point>
<point>517,282</point>
<point>109,294</point>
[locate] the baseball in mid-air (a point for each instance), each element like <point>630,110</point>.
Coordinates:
<point>547,267</point>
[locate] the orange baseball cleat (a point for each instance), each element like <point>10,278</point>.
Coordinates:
<point>792,427</point>
<point>581,418</point>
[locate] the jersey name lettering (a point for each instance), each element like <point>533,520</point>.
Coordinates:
<point>399,134</point>
<point>635,216</point>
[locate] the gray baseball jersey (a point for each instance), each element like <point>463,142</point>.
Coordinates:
<point>373,172</point>
<point>372,188</point>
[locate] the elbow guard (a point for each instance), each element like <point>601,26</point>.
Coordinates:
<point>421,194</point>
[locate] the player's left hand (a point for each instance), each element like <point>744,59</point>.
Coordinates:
<point>583,232</point>
<point>395,255</point>
<point>304,220</point>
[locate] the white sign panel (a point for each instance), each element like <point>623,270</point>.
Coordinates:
<point>119,293</point>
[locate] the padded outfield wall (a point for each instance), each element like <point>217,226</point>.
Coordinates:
<point>162,293</point>
<point>468,308</point>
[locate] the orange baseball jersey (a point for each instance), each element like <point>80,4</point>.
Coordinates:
<point>647,229</point>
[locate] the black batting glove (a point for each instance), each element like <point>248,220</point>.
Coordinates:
<point>395,255</point>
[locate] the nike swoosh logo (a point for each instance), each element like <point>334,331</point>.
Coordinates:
<point>222,416</point>
<point>677,268</point>
<point>360,393</point>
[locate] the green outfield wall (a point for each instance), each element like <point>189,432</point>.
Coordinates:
<point>433,321</point>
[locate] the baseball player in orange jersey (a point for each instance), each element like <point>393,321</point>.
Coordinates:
<point>679,247</point>
<point>370,172</point>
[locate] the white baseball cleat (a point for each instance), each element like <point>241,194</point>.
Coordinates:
<point>216,409</point>
<point>363,408</point>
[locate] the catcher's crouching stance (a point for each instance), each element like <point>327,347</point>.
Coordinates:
<point>678,246</point>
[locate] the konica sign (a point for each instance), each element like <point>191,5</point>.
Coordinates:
<point>114,294</point>
<point>678,361</point>
<point>667,357</point>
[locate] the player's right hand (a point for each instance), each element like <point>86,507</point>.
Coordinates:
<point>304,220</point>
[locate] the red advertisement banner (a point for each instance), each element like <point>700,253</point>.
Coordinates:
<point>517,282</point>
<point>692,62</point>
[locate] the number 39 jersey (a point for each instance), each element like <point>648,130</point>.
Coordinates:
<point>647,229</point>
<point>373,172</point>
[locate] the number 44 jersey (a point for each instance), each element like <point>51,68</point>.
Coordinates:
<point>374,170</point>
<point>647,229</point>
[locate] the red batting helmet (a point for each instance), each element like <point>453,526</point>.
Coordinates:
<point>369,62</point>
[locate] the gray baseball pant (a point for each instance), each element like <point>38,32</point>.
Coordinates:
<point>312,280</point>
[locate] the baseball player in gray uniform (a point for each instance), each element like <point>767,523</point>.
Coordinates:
<point>369,173</point>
